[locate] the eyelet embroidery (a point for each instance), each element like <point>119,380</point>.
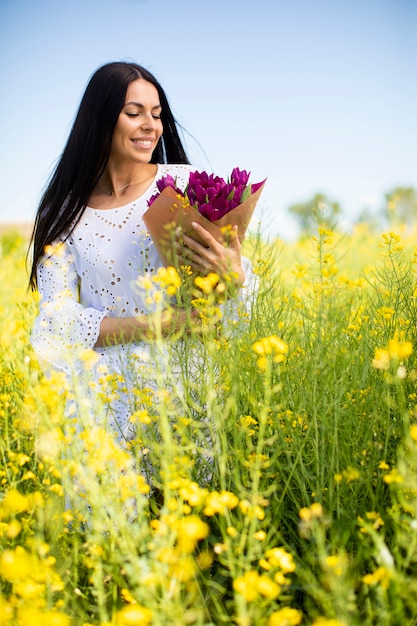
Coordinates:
<point>117,218</point>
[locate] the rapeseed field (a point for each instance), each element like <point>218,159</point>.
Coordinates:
<point>277,488</point>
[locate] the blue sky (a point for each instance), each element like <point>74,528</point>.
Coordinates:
<point>315,95</point>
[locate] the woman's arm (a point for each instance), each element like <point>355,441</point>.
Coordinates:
<point>163,324</point>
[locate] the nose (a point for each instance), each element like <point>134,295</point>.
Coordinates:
<point>148,122</point>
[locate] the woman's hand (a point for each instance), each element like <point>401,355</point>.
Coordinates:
<point>214,257</point>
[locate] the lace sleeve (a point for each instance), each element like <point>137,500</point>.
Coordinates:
<point>238,309</point>
<point>63,328</point>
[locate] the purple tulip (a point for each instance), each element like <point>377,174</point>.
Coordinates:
<point>162,183</point>
<point>167,181</point>
<point>255,186</point>
<point>239,178</point>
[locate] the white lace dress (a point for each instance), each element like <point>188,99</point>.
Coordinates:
<point>93,274</point>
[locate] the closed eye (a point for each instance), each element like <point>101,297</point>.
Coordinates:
<point>155,116</point>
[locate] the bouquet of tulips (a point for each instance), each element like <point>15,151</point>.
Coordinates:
<point>209,200</point>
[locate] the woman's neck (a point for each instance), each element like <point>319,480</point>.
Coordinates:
<point>117,189</point>
<point>118,183</point>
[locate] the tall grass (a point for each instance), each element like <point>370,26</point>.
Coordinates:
<point>272,483</point>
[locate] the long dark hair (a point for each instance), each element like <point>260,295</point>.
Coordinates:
<point>87,151</point>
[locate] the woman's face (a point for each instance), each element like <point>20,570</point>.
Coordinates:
<point>139,127</point>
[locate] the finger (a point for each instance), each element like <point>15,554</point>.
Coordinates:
<point>233,238</point>
<point>204,234</point>
<point>235,231</point>
<point>192,244</point>
<point>188,250</point>
<point>229,238</point>
<point>191,259</point>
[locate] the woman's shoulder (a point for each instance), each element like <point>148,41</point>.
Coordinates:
<point>179,171</point>
<point>180,167</point>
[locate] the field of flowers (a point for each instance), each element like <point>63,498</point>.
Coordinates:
<point>284,484</point>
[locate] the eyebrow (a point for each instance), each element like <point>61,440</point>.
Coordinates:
<point>138,104</point>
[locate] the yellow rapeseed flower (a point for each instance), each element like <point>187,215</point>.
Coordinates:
<point>325,232</point>
<point>134,615</point>
<point>145,283</point>
<point>141,416</point>
<point>89,357</point>
<point>6,612</point>
<point>393,477</point>
<point>190,530</point>
<point>391,238</point>
<point>204,559</point>
<point>272,346</point>
<point>260,535</point>
<point>251,510</point>
<point>22,459</point>
<point>57,249</point>
<point>29,589</point>
<point>192,493</point>
<point>386,312</point>
<point>351,474</point>
<point>381,359</point>
<point>247,422</point>
<point>300,270</point>
<point>396,350</point>
<point>208,312</point>
<point>29,616</point>
<point>49,443</point>
<point>268,587</point>
<point>127,596</point>
<point>376,519</point>
<point>29,475</point>
<point>399,350</point>
<point>220,502</point>
<point>315,511</point>
<point>247,585</point>
<point>184,569</point>
<point>13,530</point>
<point>16,564</point>
<point>169,279</point>
<point>336,563</point>
<point>285,617</point>
<point>379,576</point>
<point>278,557</point>
<point>104,451</point>
<point>15,502</point>
<point>207,284</point>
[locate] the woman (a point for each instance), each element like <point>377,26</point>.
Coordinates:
<point>90,245</point>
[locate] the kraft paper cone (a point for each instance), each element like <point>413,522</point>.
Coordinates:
<point>168,213</point>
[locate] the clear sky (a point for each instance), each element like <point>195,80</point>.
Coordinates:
<point>316,95</point>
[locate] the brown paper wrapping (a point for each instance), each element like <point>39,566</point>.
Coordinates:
<point>167,213</point>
